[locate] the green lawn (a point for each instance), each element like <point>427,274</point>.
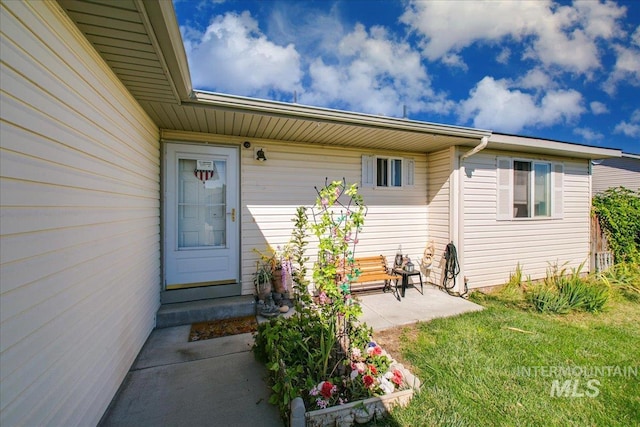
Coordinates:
<point>494,368</point>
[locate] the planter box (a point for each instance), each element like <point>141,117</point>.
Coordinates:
<point>358,412</point>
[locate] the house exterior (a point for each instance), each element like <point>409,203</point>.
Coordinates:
<point>122,187</point>
<point>616,172</point>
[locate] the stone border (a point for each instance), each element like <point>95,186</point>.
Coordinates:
<point>358,412</point>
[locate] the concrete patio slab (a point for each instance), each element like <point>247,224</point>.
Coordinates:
<point>218,382</point>
<point>383,310</point>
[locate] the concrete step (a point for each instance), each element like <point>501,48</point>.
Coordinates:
<point>186,313</point>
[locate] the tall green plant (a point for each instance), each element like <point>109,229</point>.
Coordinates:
<point>298,245</point>
<point>618,212</point>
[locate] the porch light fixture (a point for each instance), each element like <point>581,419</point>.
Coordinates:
<point>260,156</point>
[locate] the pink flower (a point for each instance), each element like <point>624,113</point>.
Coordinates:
<point>321,403</point>
<point>373,369</point>
<point>356,353</point>
<point>324,201</point>
<point>397,377</point>
<point>322,298</point>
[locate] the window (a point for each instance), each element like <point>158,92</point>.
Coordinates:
<point>529,189</point>
<point>387,172</point>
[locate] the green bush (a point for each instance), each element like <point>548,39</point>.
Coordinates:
<point>625,279</point>
<point>618,212</point>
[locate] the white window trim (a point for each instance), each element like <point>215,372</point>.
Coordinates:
<point>505,188</point>
<point>370,175</point>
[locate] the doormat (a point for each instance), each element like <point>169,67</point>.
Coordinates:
<point>222,328</point>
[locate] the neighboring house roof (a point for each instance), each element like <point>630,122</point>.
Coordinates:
<point>141,42</point>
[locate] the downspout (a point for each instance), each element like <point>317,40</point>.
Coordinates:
<point>460,217</point>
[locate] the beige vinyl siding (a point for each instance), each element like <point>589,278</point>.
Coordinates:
<point>439,172</point>
<point>79,189</point>
<point>272,190</point>
<point>623,171</point>
<point>492,248</point>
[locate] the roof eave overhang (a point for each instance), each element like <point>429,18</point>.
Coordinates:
<point>327,115</point>
<point>164,26</point>
<point>516,143</point>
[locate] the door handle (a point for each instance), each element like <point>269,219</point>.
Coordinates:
<point>233,215</point>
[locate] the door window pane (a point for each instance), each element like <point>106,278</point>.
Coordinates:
<point>201,206</point>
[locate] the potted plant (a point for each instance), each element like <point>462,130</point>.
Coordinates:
<point>262,280</point>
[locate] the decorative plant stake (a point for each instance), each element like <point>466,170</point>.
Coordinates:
<point>338,216</point>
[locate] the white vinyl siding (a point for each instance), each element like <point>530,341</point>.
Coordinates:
<point>272,190</point>
<point>612,173</point>
<point>80,260</point>
<point>439,173</point>
<point>492,249</point>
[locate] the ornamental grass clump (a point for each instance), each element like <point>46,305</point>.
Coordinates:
<point>565,290</point>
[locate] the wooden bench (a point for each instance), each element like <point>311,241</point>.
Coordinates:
<point>373,269</point>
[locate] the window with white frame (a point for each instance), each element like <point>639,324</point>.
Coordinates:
<point>387,172</point>
<point>529,189</point>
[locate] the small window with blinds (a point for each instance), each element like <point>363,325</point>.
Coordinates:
<point>529,189</point>
<point>387,172</point>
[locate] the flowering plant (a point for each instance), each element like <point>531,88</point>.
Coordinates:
<point>370,373</point>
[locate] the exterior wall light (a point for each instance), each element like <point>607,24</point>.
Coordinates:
<point>260,156</point>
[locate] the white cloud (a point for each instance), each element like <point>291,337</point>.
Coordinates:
<point>494,104</point>
<point>372,73</point>
<point>232,55</point>
<point>503,56</point>
<point>563,36</point>
<point>588,134</point>
<point>626,69</point>
<point>630,128</point>
<point>536,79</point>
<point>598,108</point>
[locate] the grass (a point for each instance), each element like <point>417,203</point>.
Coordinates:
<point>474,367</point>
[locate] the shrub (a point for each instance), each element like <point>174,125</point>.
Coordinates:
<point>618,212</point>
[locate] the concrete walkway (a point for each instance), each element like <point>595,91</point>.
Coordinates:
<point>218,382</point>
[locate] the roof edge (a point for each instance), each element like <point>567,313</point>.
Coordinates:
<point>164,23</point>
<point>320,114</point>
<point>514,142</point>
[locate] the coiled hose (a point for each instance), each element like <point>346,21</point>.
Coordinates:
<point>451,270</point>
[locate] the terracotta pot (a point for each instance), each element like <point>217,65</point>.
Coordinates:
<point>278,285</point>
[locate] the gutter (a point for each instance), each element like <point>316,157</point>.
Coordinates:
<point>483,144</point>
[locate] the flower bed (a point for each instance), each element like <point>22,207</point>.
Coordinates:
<point>359,411</point>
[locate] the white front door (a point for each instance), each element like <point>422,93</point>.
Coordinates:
<point>201,226</point>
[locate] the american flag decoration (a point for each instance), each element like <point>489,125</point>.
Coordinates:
<point>205,170</point>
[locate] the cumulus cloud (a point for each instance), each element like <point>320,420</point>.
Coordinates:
<point>598,108</point>
<point>495,104</point>
<point>587,134</point>
<point>563,36</point>
<point>232,55</point>
<point>627,66</point>
<point>630,128</point>
<point>371,72</point>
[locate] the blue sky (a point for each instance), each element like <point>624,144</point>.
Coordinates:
<point>567,71</point>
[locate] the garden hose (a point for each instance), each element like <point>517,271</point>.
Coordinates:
<point>451,270</point>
